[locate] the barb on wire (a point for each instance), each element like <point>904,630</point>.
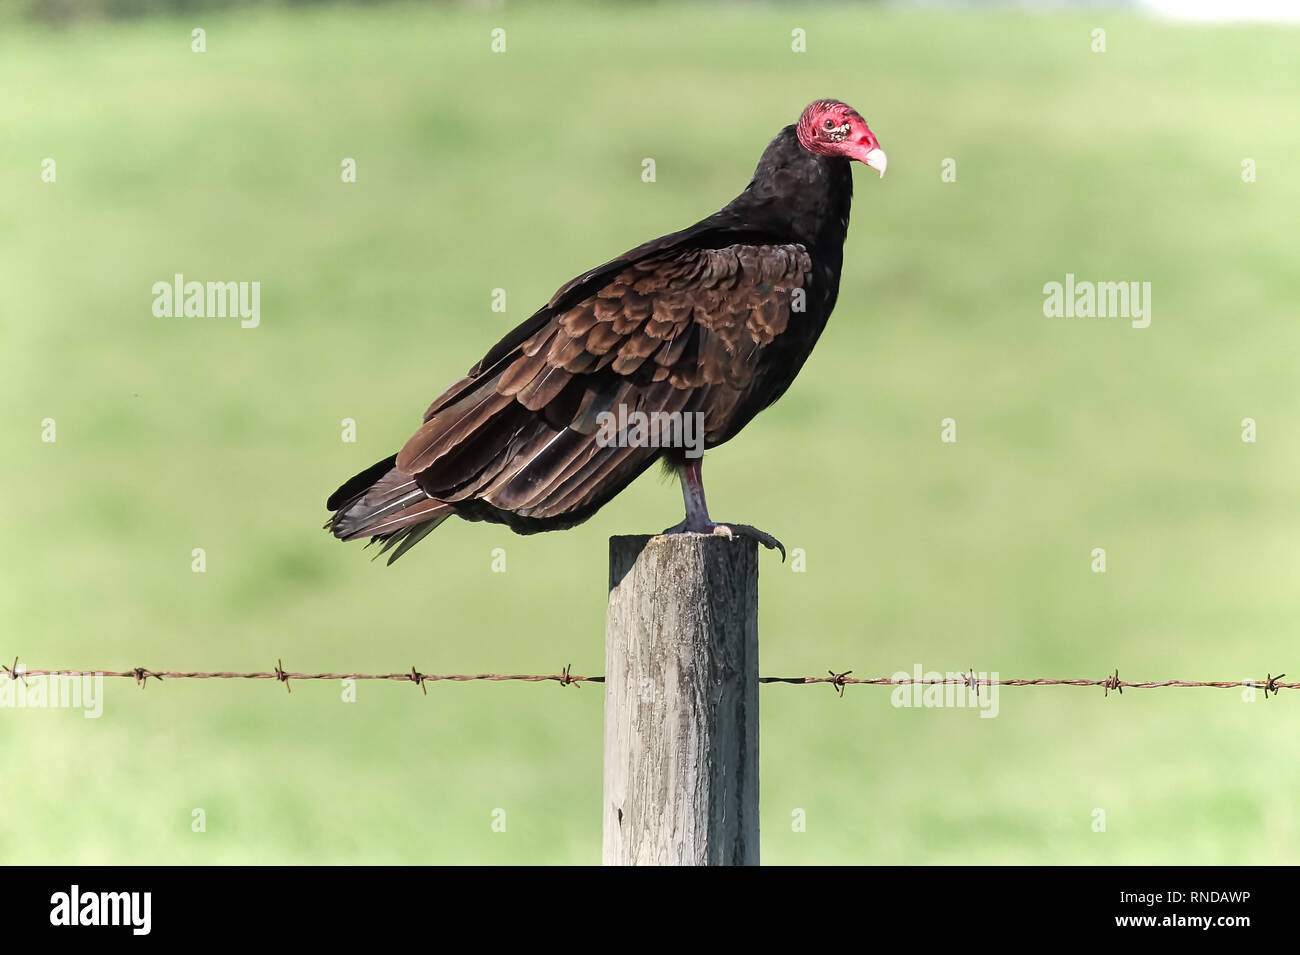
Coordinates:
<point>142,674</point>
<point>16,673</point>
<point>1271,684</point>
<point>837,679</point>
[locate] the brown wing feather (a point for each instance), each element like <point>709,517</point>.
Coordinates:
<point>681,329</point>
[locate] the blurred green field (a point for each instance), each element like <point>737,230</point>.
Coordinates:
<point>479,171</point>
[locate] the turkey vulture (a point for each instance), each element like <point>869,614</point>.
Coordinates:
<point>695,332</point>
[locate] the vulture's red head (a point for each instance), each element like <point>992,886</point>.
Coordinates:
<point>832,128</point>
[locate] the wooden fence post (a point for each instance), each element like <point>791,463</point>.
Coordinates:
<point>681,701</point>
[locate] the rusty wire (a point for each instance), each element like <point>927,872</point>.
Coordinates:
<point>1270,684</point>
<point>141,675</point>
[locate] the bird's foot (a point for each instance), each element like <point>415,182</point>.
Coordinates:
<point>729,531</point>
<point>747,530</point>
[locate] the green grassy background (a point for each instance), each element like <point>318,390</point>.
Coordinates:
<point>478,171</point>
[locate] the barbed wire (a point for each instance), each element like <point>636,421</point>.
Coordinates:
<point>1270,684</point>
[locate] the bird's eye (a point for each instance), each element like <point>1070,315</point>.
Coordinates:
<point>829,124</point>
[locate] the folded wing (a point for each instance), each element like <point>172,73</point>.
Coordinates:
<point>673,330</point>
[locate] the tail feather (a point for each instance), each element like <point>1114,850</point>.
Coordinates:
<point>386,505</point>
<point>407,537</point>
<point>356,486</point>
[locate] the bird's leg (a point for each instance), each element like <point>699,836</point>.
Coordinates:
<point>697,509</point>
<point>697,513</point>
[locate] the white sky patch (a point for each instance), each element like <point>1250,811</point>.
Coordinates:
<point>1222,11</point>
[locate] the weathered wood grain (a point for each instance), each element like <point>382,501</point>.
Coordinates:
<point>681,701</point>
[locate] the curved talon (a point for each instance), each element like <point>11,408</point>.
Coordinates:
<point>729,531</point>
<point>747,530</point>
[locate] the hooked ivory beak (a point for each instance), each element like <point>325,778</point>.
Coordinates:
<point>877,159</point>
